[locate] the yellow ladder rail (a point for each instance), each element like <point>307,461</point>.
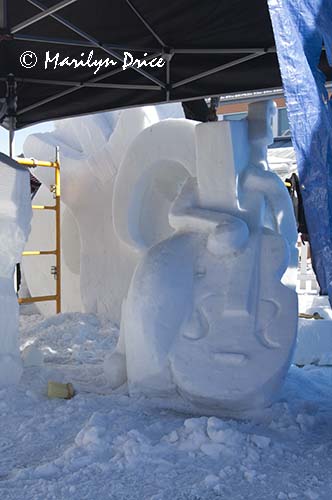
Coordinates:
<point>43,207</point>
<point>30,300</point>
<point>31,163</point>
<point>27,253</point>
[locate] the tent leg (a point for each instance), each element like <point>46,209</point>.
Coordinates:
<point>11,100</point>
<point>3,15</point>
<point>11,137</point>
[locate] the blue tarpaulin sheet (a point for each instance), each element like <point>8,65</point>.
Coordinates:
<point>301,28</point>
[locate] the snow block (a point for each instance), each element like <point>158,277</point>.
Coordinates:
<point>314,339</point>
<point>15,217</point>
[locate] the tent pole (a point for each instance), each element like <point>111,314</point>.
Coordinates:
<point>219,68</point>
<point>95,42</point>
<point>146,24</point>
<point>74,89</point>
<point>42,15</point>
<point>244,50</point>
<point>88,85</point>
<point>3,14</point>
<point>80,43</point>
<point>11,99</point>
<point>11,136</point>
<point>11,85</point>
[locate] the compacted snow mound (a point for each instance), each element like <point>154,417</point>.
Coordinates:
<point>15,217</point>
<point>314,338</point>
<point>314,344</point>
<point>119,448</point>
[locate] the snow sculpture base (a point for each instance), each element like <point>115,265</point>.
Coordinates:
<point>206,315</point>
<point>15,216</point>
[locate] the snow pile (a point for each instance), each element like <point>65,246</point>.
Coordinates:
<point>15,216</point>
<point>120,448</point>
<point>74,340</point>
<point>314,340</point>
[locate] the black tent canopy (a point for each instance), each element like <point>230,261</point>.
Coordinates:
<point>214,47</point>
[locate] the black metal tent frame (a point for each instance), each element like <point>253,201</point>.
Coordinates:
<point>89,41</point>
<point>148,82</point>
<point>165,52</point>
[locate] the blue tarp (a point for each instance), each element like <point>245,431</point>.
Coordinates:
<point>301,27</point>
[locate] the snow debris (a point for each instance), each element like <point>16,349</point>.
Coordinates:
<point>107,445</point>
<point>261,441</point>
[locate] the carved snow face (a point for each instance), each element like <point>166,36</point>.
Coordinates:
<point>230,350</point>
<point>216,340</point>
<point>260,117</point>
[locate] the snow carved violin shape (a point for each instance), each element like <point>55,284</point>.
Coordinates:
<point>206,315</point>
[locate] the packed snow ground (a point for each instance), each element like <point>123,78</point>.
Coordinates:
<point>314,340</point>
<point>102,445</point>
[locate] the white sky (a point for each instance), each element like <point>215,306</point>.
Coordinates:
<point>20,137</point>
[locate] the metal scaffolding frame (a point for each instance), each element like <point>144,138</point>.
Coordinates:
<point>86,40</point>
<point>56,190</point>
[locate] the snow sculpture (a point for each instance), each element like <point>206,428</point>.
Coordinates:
<point>260,132</point>
<point>206,315</point>
<point>260,114</point>
<point>91,150</point>
<point>151,174</point>
<point>15,216</point>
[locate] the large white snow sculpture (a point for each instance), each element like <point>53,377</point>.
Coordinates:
<point>91,150</point>
<point>15,217</point>
<point>206,314</point>
<point>151,174</point>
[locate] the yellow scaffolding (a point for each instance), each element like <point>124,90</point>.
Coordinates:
<point>56,190</point>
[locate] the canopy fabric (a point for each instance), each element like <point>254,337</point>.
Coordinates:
<point>215,47</point>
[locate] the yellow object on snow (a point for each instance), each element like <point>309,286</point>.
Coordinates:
<point>316,315</point>
<point>62,391</point>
